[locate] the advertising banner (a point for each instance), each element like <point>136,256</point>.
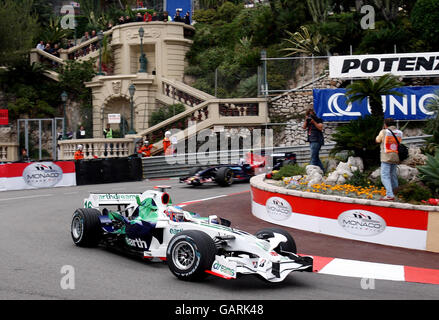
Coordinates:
<point>4,117</point>
<point>330,104</point>
<point>376,224</point>
<point>34,175</point>
<point>375,65</point>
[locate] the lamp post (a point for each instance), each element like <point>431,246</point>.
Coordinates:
<point>132,90</point>
<point>64,100</point>
<point>142,58</point>
<point>100,38</point>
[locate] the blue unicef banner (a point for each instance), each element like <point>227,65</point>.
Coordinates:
<point>330,104</point>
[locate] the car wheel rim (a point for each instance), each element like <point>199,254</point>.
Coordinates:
<point>183,255</point>
<point>77,227</point>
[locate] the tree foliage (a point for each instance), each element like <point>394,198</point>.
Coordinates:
<point>28,91</point>
<point>18,29</point>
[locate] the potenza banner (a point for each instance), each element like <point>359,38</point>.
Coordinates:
<point>330,104</point>
<point>33,175</point>
<point>375,65</point>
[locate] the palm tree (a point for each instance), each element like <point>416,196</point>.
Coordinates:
<point>373,89</point>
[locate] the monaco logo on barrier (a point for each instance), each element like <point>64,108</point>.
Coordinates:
<point>42,174</point>
<point>330,104</point>
<point>361,222</point>
<point>375,65</point>
<point>278,209</point>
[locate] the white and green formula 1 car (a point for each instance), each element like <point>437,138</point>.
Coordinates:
<point>148,225</point>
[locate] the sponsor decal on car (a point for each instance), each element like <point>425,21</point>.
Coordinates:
<point>361,222</point>
<point>175,231</point>
<point>224,267</point>
<point>138,243</point>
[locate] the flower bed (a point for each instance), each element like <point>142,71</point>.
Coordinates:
<point>371,192</point>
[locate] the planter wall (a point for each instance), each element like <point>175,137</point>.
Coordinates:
<point>387,223</point>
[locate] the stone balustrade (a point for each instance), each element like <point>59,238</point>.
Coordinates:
<point>96,148</point>
<point>8,151</point>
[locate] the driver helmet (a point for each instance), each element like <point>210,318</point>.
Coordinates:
<point>80,147</point>
<point>175,214</point>
<point>167,134</point>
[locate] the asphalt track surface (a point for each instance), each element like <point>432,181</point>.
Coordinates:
<point>35,245</point>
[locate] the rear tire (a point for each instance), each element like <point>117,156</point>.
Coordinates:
<point>224,176</point>
<point>86,227</point>
<point>289,246</point>
<point>189,254</point>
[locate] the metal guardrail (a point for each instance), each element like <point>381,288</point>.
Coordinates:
<point>181,164</point>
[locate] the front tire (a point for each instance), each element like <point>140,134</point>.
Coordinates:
<point>86,227</point>
<point>289,245</point>
<point>189,254</point>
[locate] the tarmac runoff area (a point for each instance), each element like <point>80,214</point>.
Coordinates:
<point>332,255</point>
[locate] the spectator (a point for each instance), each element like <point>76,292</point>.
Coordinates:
<point>154,16</point>
<point>94,45</point>
<point>86,37</point>
<point>48,48</point>
<point>147,17</point>
<point>40,45</point>
<point>56,50</point>
<point>177,17</point>
<point>110,25</point>
<point>389,157</point>
<point>166,17</point>
<point>70,44</point>
<point>24,156</point>
<point>80,134</point>
<point>139,17</point>
<point>121,20</point>
<point>127,19</point>
<point>108,132</point>
<point>187,18</point>
<point>145,150</point>
<point>314,127</point>
<point>166,141</point>
<point>79,155</point>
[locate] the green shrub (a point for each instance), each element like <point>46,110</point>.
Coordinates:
<point>359,179</point>
<point>165,112</point>
<point>429,173</point>
<point>289,170</point>
<point>359,136</point>
<point>414,193</point>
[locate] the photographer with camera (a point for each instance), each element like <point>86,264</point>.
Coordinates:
<point>314,127</point>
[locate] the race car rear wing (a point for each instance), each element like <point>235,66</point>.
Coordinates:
<point>107,199</point>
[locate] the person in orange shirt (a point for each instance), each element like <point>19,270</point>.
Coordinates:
<point>166,142</point>
<point>79,155</point>
<point>145,150</point>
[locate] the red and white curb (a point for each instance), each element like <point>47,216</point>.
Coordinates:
<point>373,270</point>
